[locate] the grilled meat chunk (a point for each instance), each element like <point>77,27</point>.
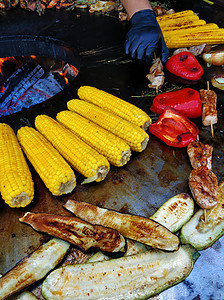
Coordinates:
<point>208,96</point>
<point>203,184</point>
<point>200,154</point>
<point>209,112</point>
<point>156,75</point>
<point>76,231</point>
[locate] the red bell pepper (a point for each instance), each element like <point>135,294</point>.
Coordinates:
<point>174,129</point>
<point>185,65</point>
<point>187,101</point>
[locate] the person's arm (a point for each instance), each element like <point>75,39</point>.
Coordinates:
<point>145,35</point>
<point>132,6</point>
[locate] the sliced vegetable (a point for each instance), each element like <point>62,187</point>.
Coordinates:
<point>215,56</point>
<point>175,212</point>
<point>133,248</point>
<point>76,231</point>
<point>33,268</point>
<point>201,233</point>
<point>133,227</point>
<point>200,240</point>
<point>215,215</point>
<point>174,129</point>
<point>25,296</point>
<point>218,82</point>
<point>185,65</point>
<point>187,101</point>
<point>133,277</point>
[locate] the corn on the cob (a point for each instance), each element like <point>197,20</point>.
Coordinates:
<point>55,172</point>
<point>171,22</point>
<point>193,29</point>
<point>80,156</point>
<point>184,26</point>
<point>116,105</point>
<point>180,14</point>
<point>180,25</point>
<point>111,146</point>
<point>135,136</point>
<point>16,184</point>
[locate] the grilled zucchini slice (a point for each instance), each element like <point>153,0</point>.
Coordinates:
<point>175,212</point>
<point>200,240</point>
<point>132,277</point>
<point>201,234</point>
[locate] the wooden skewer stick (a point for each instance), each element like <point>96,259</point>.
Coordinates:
<point>157,90</point>
<point>211,124</point>
<point>154,54</point>
<point>205,215</point>
<point>207,85</point>
<point>212,129</point>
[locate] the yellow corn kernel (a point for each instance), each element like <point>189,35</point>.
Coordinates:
<point>180,14</point>
<point>180,25</point>
<point>181,20</point>
<point>79,155</point>
<point>116,150</point>
<point>16,184</point>
<point>116,105</point>
<point>55,172</point>
<point>135,136</point>
<point>195,29</point>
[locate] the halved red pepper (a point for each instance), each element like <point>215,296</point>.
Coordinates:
<point>174,129</point>
<point>187,101</point>
<point>185,65</point>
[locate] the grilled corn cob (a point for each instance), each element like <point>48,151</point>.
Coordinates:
<point>186,25</point>
<point>180,14</point>
<point>16,184</point>
<point>194,29</point>
<point>181,24</point>
<point>55,172</point>
<point>172,21</point>
<point>116,105</point>
<point>135,136</point>
<point>80,156</point>
<point>111,146</point>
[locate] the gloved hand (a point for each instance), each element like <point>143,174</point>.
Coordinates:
<point>144,37</point>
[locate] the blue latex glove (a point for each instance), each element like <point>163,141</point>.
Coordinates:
<point>144,37</point>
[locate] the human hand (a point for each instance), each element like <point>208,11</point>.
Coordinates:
<point>144,37</point>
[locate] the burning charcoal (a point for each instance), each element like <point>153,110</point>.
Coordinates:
<point>17,85</point>
<point>43,90</point>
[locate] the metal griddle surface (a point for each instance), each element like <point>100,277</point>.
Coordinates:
<point>148,180</point>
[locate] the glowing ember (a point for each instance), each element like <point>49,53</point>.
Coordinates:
<point>26,81</point>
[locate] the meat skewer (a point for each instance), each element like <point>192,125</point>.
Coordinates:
<point>203,183</point>
<point>156,75</point>
<point>209,112</point>
<point>200,154</point>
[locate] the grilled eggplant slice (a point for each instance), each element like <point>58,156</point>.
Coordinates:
<point>137,228</point>
<point>175,212</point>
<point>76,231</point>
<point>202,234</point>
<point>132,277</point>
<point>33,268</point>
